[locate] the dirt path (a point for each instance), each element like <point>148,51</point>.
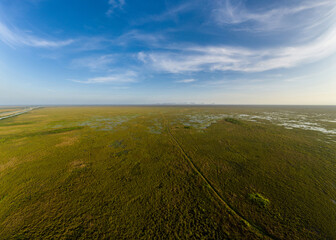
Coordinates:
<point>259,231</point>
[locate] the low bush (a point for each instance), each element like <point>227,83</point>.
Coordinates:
<point>258,199</point>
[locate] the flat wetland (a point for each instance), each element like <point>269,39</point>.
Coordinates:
<point>170,172</point>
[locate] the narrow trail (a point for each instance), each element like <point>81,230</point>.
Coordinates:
<point>17,113</point>
<point>260,232</point>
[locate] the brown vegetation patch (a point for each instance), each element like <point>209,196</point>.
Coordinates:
<point>37,116</point>
<point>78,164</point>
<point>6,131</point>
<point>67,141</point>
<point>19,142</point>
<point>11,163</point>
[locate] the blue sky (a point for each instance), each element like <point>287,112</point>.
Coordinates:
<point>147,52</point>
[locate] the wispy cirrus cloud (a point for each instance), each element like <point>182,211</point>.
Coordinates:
<point>189,80</point>
<point>14,37</point>
<point>113,5</point>
<point>129,38</point>
<point>226,58</point>
<point>140,37</point>
<point>116,78</point>
<point>315,39</point>
<point>171,13</point>
<point>95,63</point>
<point>305,14</point>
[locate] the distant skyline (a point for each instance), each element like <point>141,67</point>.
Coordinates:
<point>179,52</point>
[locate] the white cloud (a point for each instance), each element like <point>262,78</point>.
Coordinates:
<point>114,4</point>
<point>305,15</point>
<point>169,14</point>
<point>138,36</point>
<point>118,78</point>
<point>14,37</point>
<point>190,80</point>
<point>95,63</point>
<point>315,39</point>
<point>224,58</point>
<point>84,44</point>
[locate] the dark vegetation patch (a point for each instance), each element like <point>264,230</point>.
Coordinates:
<point>118,144</point>
<point>2,197</point>
<point>121,153</point>
<point>55,131</point>
<point>41,133</point>
<point>136,169</point>
<point>232,120</point>
<point>4,124</point>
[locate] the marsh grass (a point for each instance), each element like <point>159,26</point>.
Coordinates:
<point>62,179</point>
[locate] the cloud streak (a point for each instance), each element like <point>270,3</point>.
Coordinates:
<point>190,80</point>
<point>170,14</point>
<point>14,37</point>
<point>95,63</point>
<point>117,78</point>
<point>138,37</point>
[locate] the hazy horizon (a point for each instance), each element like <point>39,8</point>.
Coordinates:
<point>167,104</point>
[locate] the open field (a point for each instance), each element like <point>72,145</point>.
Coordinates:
<point>212,172</point>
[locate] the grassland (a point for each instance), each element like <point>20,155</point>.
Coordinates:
<point>169,173</point>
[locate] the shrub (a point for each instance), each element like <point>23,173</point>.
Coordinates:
<point>258,199</point>
<point>232,120</point>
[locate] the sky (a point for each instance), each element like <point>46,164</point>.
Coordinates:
<point>167,52</point>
